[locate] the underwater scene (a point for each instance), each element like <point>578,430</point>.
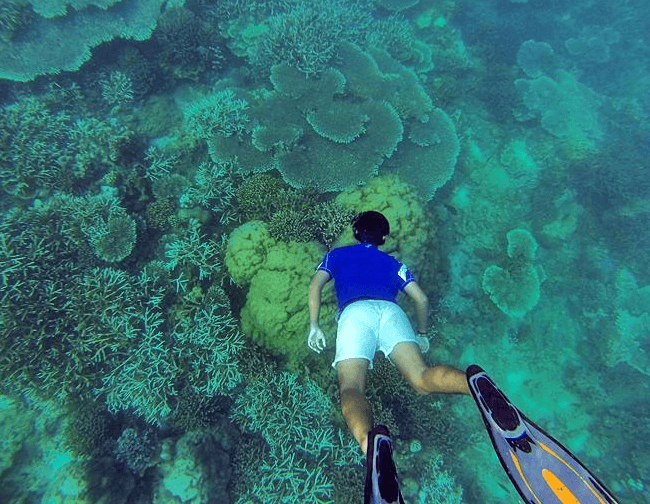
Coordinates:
<point>173,172</point>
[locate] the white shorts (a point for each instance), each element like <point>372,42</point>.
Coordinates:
<point>369,325</point>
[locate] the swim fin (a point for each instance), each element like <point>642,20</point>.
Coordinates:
<point>382,485</point>
<point>541,469</point>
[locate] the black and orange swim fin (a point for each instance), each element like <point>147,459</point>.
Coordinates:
<point>541,469</point>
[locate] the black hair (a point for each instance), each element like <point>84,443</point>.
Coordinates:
<point>370,227</point>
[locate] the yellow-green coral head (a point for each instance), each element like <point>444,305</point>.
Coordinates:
<point>246,250</point>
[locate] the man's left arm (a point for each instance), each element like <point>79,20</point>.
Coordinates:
<point>415,292</point>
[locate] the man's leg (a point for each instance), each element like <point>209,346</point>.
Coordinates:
<point>424,379</point>
<point>355,407</point>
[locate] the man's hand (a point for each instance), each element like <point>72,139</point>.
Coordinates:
<point>316,338</point>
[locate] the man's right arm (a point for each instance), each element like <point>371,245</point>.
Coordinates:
<point>316,338</point>
<point>315,287</point>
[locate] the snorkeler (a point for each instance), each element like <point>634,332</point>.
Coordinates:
<point>367,281</point>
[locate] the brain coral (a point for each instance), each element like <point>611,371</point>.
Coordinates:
<point>276,313</point>
<point>246,250</point>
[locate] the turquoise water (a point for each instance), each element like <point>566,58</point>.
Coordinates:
<point>173,172</point>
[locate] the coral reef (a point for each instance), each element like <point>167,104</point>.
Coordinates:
<point>161,214</point>
<point>117,89</point>
<point>291,214</point>
<point>13,16</point>
<point>293,417</point>
<point>515,289</point>
<point>136,135</point>
<point>246,251</point>
<point>535,58</point>
<point>275,314</point>
<point>593,43</point>
<point>330,220</point>
<point>187,44</point>
<point>627,344</point>
<point>217,114</point>
<point>193,256</point>
<point>104,330</point>
<point>113,239</point>
<point>438,485</point>
<point>260,196</point>
<point>521,244</point>
<point>398,5</point>
<point>335,131</point>
<point>135,449</point>
<point>45,148</point>
<point>38,52</point>
<point>89,430</point>
<point>303,35</point>
<point>430,158</point>
<point>213,189</point>
<point>195,468</point>
<point>290,225</point>
<point>278,273</point>
<point>195,411</point>
<point>566,108</point>
<point>42,265</point>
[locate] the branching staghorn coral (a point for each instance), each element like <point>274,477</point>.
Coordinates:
<point>74,329</point>
<point>293,417</point>
<point>213,189</point>
<point>193,255</point>
<point>221,113</point>
<point>303,35</point>
<point>46,148</point>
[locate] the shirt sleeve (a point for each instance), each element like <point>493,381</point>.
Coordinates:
<point>325,265</point>
<point>405,275</point>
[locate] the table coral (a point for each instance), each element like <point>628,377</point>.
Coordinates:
<point>40,50</point>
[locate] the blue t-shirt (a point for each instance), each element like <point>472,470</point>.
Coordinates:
<point>364,272</point>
